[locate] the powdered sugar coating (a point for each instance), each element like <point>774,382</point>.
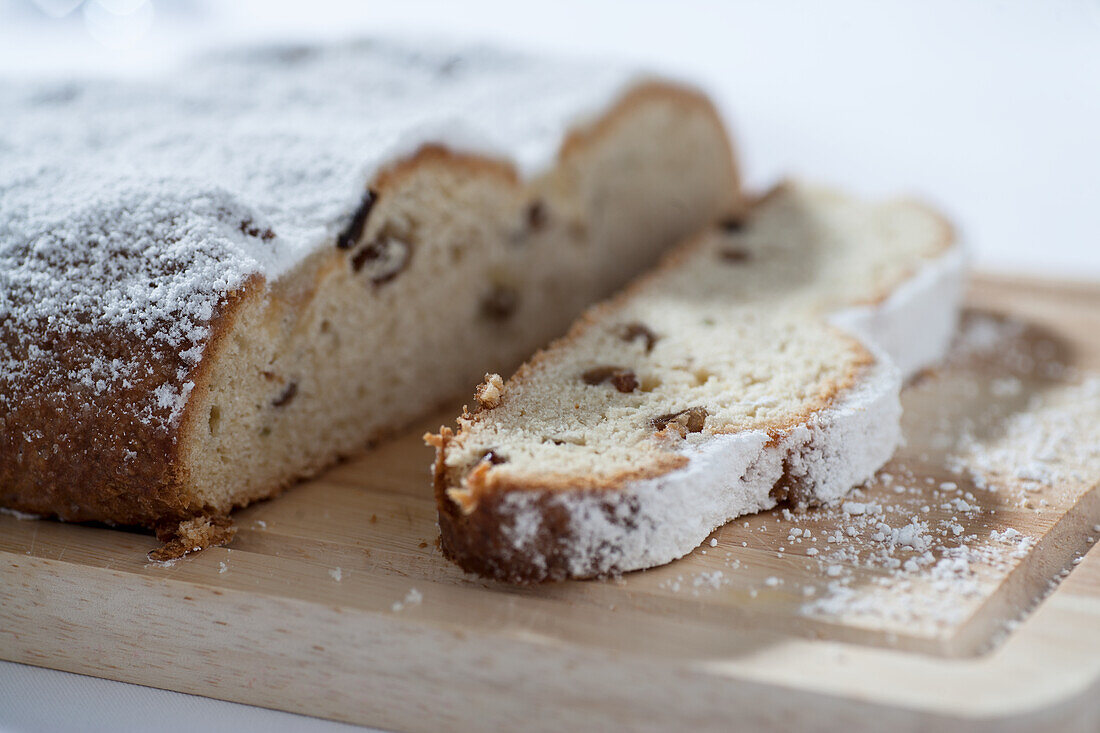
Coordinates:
<point>916,323</point>
<point>653,521</point>
<point>132,210</point>
<point>110,265</point>
<point>838,448</point>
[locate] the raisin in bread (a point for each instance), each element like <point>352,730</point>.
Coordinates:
<point>758,364</point>
<point>216,283</point>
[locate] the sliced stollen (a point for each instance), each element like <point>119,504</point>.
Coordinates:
<point>216,282</point>
<point>758,364</point>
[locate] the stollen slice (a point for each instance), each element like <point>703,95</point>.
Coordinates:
<point>760,363</point>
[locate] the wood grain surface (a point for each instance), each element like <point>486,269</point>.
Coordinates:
<point>334,599</point>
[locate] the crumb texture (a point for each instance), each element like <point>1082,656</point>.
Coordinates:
<point>713,387</point>
<point>192,535</point>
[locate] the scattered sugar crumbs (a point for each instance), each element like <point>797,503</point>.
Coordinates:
<point>412,598</point>
<point>336,574</point>
<point>706,581</point>
<point>925,542</point>
<point>1025,441</point>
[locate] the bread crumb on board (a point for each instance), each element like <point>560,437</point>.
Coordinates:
<point>923,545</point>
<point>412,598</point>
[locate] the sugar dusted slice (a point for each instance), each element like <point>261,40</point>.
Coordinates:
<point>758,364</point>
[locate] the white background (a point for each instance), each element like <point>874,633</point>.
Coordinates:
<point>989,109</point>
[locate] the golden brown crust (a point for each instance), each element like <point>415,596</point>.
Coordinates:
<point>80,455</point>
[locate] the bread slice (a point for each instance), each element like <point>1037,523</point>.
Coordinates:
<point>214,284</point>
<point>756,365</point>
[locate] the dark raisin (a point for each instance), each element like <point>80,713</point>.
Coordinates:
<point>732,224</point>
<point>624,381</point>
<point>735,255</point>
<point>286,395</point>
<point>493,457</point>
<point>354,230</point>
<point>384,259</point>
<point>500,303</point>
<point>536,216</point>
<point>598,375</point>
<point>692,419</point>
<point>635,331</point>
<point>247,227</point>
<point>621,379</point>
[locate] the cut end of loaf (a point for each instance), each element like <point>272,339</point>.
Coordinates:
<point>294,364</point>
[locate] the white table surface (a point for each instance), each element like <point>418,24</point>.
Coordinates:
<point>990,109</point>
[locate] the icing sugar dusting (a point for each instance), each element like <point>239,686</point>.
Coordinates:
<point>1002,442</point>
<point>130,211</point>
<point>1029,453</point>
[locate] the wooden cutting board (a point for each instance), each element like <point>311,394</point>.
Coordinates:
<point>917,604</point>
